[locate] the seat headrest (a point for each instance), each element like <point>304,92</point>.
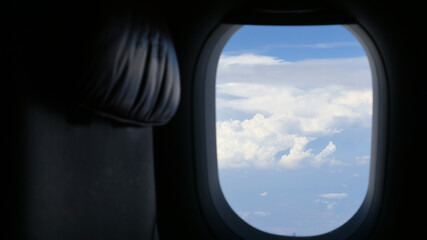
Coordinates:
<point>133,74</point>
<point>118,61</point>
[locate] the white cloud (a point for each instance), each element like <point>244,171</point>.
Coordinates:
<point>329,205</point>
<point>253,142</point>
<point>319,110</point>
<point>261,213</point>
<point>334,195</point>
<point>353,72</point>
<point>263,194</point>
<point>291,104</point>
<point>322,157</point>
<point>296,154</point>
<point>256,142</point>
<point>331,199</point>
<point>246,215</point>
<point>334,162</point>
<point>248,59</point>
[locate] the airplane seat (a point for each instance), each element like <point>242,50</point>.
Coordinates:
<point>90,93</point>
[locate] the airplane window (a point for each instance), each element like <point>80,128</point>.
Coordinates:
<point>294,108</point>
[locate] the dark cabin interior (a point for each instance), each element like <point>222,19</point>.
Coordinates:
<point>98,112</point>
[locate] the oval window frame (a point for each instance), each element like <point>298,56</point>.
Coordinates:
<point>224,222</point>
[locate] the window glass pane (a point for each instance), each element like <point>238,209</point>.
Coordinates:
<point>293,126</point>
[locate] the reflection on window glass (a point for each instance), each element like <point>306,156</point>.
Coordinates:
<point>293,126</point>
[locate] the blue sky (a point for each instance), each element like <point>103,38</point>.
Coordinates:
<point>294,112</point>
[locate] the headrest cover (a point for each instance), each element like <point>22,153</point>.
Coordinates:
<point>133,76</point>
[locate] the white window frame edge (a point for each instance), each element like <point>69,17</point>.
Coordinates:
<point>219,216</point>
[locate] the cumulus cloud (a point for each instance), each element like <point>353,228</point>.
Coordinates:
<point>280,107</point>
<point>251,142</point>
<point>296,154</point>
<point>322,157</point>
<point>256,142</point>
<point>263,194</point>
